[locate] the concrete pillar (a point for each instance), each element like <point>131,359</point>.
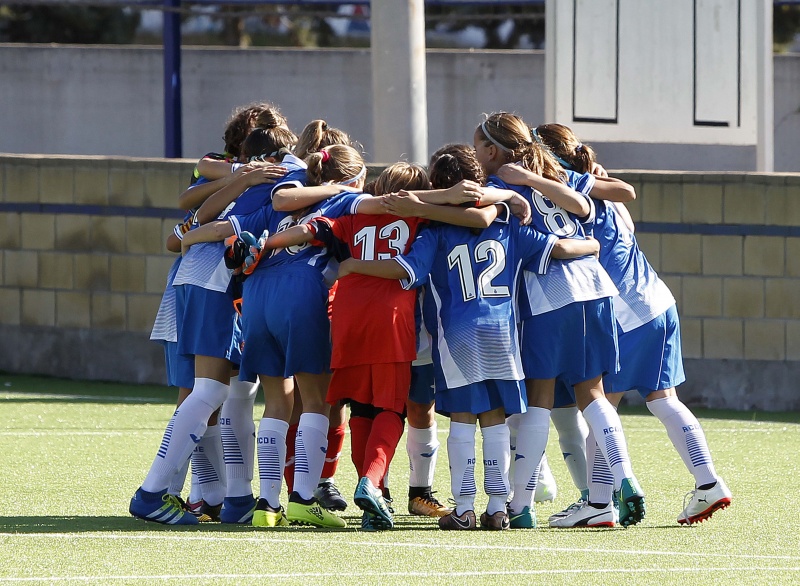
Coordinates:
<point>765,100</point>
<point>399,102</point>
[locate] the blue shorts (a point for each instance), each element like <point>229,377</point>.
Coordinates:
<point>564,394</point>
<point>483,396</point>
<point>206,323</point>
<point>577,342</point>
<point>285,322</point>
<point>650,357</point>
<point>421,384</point>
<point>180,368</point>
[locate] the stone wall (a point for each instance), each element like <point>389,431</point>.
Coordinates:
<point>83,268</point>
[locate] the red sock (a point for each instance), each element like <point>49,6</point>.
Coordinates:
<point>288,471</point>
<point>335,443</point>
<point>386,431</point>
<point>360,428</point>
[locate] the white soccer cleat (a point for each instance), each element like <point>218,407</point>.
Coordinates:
<point>704,503</point>
<point>569,510</point>
<point>586,515</point>
<point>546,489</point>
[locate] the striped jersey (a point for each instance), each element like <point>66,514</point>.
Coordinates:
<point>566,281</point>
<point>266,218</point>
<point>204,263</point>
<point>642,294</point>
<point>469,306</point>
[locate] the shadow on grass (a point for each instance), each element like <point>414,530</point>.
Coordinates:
<point>114,524</point>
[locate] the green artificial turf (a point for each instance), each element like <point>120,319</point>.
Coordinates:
<point>73,453</point>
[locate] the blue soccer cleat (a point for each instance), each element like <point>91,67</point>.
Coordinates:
<point>630,497</point>
<point>160,507</point>
<point>370,499</point>
<point>238,509</point>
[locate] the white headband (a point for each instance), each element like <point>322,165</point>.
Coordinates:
<point>356,178</point>
<point>491,138</point>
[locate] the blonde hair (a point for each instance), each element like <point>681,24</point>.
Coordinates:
<point>317,135</point>
<point>568,150</point>
<point>510,134</point>
<point>400,176</point>
<point>342,163</point>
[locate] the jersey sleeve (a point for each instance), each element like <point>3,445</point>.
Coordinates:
<point>331,233</point>
<point>419,260</point>
<point>535,249</point>
<point>295,178</point>
<point>584,183</point>
<point>343,204</point>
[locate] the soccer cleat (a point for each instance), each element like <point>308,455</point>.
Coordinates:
<point>525,519</point>
<point>495,522</point>
<point>546,489</point>
<point>569,510</point>
<point>453,522</point>
<point>372,522</point>
<point>329,496</point>
<point>387,496</point>
<point>310,512</point>
<point>370,499</point>
<point>705,503</point>
<point>159,507</point>
<point>630,497</point>
<point>585,515</point>
<point>267,516</point>
<point>238,509</point>
<point>426,505</point>
<point>206,513</point>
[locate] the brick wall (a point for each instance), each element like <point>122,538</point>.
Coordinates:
<point>83,268</point>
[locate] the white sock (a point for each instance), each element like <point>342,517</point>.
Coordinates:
<point>271,447</point>
<point>177,482</point>
<point>422,446</point>
<point>310,446</point>
<point>572,431</point>
<point>601,481</point>
<point>208,464</point>
<point>534,427</point>
<point>496,459</point>
<point>512,421</point>
<point>184,431</point>
<point>687,436</point>
<point>604,422</point>
<point>238,437</point>
<point>461,454</point>
<point>195,494</point>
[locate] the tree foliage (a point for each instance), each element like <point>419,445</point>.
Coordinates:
<point>20,23</point>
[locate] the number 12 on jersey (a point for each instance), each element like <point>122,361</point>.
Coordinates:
<point>488,250</point>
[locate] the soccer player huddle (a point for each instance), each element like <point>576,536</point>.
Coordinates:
<point>502,286</point>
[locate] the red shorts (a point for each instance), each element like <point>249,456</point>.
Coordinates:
<point>380,385</point>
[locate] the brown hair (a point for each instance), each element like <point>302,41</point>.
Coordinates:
<point>513,138</point>
<point>342,163</point>
<point>563,143</point>
<point>244,119</point>
<point>400,176</point>
<point>317,135</point>
<point>267,142</point>
<point>453,163</point>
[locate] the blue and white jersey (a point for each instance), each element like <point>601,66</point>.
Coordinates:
<point>204,263</point>
<point>267,218</point>
<point>642,295</point>
<point>165,327</point>
<point>424,355</point>
<point>566,281</point>
<point>470,305</point>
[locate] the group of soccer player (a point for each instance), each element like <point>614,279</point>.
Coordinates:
<point>502,285</point>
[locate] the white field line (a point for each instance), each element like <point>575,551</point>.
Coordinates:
<point>205,577</point>
<point>63,397</point>
<point>373,544</point>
